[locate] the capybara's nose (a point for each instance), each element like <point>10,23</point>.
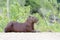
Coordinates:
<point>37,20</point>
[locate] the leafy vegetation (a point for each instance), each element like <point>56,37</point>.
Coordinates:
<point>19,10</point>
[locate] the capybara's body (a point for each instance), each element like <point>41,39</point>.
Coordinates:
<point>27,26</point>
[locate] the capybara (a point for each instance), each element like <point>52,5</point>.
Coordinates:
<point>27,26</point>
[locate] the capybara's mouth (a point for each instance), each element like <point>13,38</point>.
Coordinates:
<point>36,21</point>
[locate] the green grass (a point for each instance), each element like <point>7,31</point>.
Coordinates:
<point>41,25</point>
<point>20,14</point>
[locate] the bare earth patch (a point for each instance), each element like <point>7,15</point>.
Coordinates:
<point>30,36</point>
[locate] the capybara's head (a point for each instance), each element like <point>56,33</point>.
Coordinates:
<point>33,19</point>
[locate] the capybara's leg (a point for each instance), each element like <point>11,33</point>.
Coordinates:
<point>29,29</point>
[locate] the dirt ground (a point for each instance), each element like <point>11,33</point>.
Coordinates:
<point>30,36</point>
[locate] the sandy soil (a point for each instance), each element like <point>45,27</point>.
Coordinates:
<point>30,36</point>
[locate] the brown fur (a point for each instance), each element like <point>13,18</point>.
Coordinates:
<point>27,26</point>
